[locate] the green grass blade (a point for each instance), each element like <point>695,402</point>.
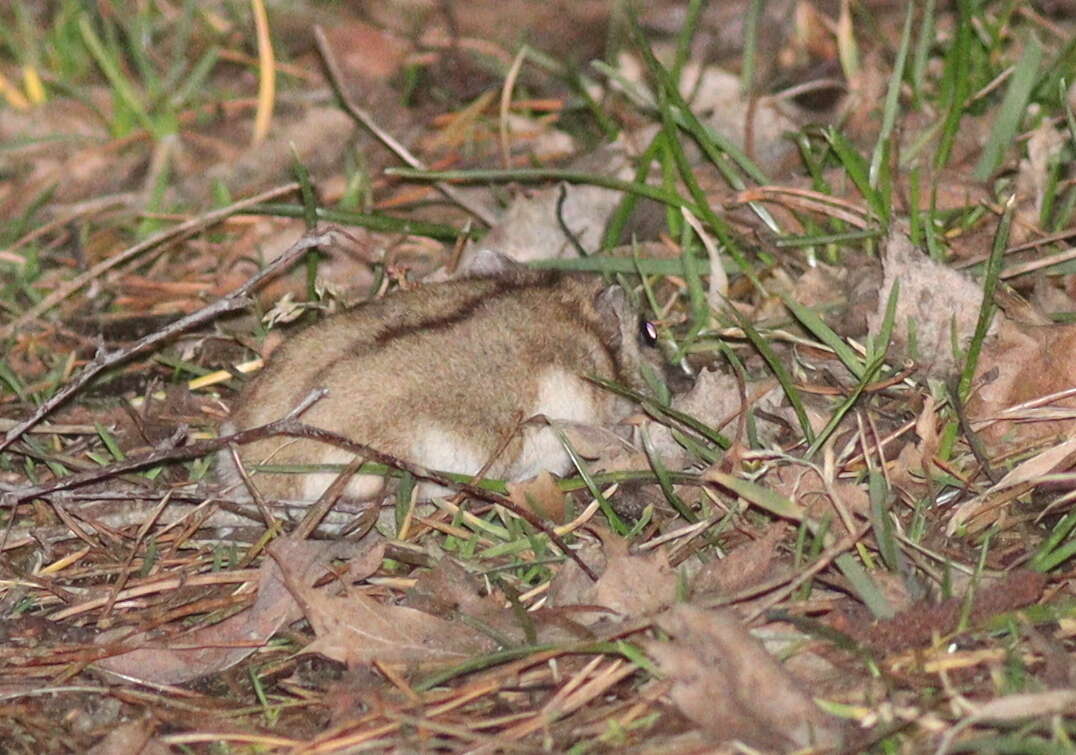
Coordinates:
<point>687,33</point>
<point>922,49</point>
<point>892,98</point>
<point>956,81</point>
<point>614,230</point>
<point>864,586</point>
<point>654,408</point>
<point>858,170</point>
<point>122,87</point>
<point>986,309</point>
<point>762,497</point>
<point>1012,110</point>
<point>750,45</point>
<point>882,522</point>
<point>618,525</point>
<point>381,223</point>
<point>779,370</point>
<point>665,483</point>
<point>849,358</point>
<point>528,175</point>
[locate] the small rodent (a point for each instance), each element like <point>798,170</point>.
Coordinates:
<point>441,375</point>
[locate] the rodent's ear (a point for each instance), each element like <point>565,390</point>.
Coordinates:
<point>613,307</point>
<point>486,263</point>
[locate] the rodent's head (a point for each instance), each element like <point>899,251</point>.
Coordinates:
<point>628,338</point>
<point>632,339</point>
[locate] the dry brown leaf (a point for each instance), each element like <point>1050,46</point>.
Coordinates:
<point>131,738</point>
<point>749,565</point>
<point>984,509</point>
<point>355,629</point>
<point>726,682</point>
<point>805,486</point>
<point>223,645</point>
<point>1029,363</point>
<point>914,463</point>
<point>630,585</point>
<point>539,494</point>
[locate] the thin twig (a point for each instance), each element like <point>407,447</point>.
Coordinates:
<point>291,426</point>
<point>154,458</point>
<point>296,429</point>
<point>332,73</point>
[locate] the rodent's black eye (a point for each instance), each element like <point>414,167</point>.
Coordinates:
<point>648,332</point>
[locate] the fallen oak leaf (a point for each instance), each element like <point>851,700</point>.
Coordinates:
<point>186,657</point>
<point>727,684</point>
<point>355,629</point>
<point>631,585</point>
<point>539,494</point>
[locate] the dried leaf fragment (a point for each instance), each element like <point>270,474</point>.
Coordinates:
<point>726,682</point>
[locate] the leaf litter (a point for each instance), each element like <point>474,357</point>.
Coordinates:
<point>852,532</point>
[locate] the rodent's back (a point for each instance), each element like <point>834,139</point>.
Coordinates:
<point>446,371</point>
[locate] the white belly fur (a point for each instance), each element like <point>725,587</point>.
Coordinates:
<point>561,397</point>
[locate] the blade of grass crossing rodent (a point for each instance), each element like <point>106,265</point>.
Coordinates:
<point>987,306</point>
<point>618,525</point>
<point>1009,116</point>
<point>652,406</point>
